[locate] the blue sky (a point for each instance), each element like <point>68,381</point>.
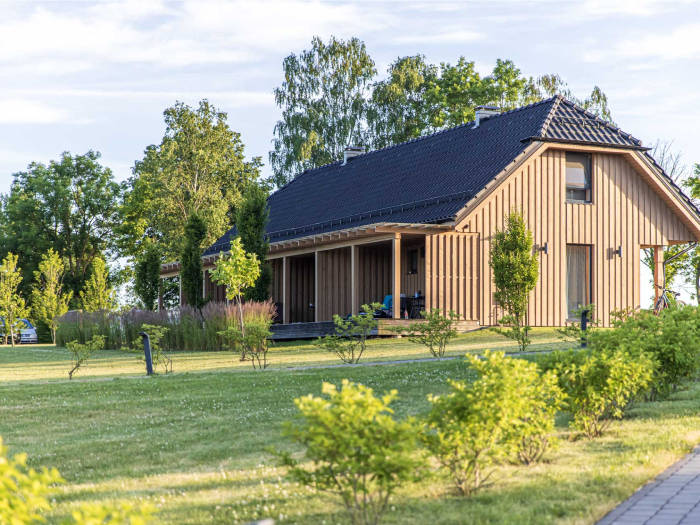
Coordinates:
<point>97,75</point>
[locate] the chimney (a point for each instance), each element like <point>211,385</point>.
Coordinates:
<point>484,112</point>
<point>351,152</point>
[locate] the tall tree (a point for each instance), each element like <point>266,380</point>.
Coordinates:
<point>98,295</point>
<point>191,260</point>
<point>399,109</point>
<point>198,168</point>
<point>324,104</point>
<point>692,269</point>
<point>251,219</point>
<point>12,305</point>
<point>515,268</point>
<point>49,301</point>
<point>147,276</point>
<point>69,205</point>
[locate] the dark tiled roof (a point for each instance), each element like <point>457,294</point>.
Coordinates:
<point>426,180</point>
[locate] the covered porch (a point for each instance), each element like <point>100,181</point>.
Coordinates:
<point>426,266</point>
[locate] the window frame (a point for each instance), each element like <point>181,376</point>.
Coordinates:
<point>589,189</point>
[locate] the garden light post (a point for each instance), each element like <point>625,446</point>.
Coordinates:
<point>584,327</point>
<point>147,352</point>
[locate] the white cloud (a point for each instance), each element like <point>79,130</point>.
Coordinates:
<point>170,34</point>
<point>23,111</point>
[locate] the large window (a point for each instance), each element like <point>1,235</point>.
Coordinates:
<point>578,177</point>
<point>578,278</point>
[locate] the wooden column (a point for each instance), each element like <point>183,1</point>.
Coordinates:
<point>316,314</point>
<point>396,274</point>
<point>354,281</point>
<point>160,295</point>
<point>658,271</point>
<point>286,283</point>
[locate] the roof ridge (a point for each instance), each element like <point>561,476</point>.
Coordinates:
<point>548,119</point>
<point>596,118</point>
<point>422,137</point>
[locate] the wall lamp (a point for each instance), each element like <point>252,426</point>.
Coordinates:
<point>543,248</point>
<point>618,252</point>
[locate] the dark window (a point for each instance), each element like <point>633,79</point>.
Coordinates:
<point>578,278</point>
<point>578,177</point>
<point>412,261</point>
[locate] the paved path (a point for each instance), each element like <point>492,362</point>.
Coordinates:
<point>673,498</point>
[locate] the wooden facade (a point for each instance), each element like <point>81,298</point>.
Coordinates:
<point>631,207</point>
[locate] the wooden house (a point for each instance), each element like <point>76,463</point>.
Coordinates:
<point>417,219</point>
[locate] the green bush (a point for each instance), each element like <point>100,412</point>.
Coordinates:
<point>435,332</point>
<point>350,339</point>
<point>507,411</point>
<point>253,341</point>
<point>24,492</point>
<point>671,340</point>
<point>599,385</point>
<point>356,448</point>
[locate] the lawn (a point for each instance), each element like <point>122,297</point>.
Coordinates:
<point>194,442</point>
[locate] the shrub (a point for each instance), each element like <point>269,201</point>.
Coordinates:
<point>509,409</point>
<point>121,513</point>
<point>600,385</point>
<point>356,447</point>
<point>82,352</point>
<point>350,339</point>
<point>253,341</point>
<point>670,339</point>
<point>573,332</point>
<point>23,491</point>
<point>435,332</point>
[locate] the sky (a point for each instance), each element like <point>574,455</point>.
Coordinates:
<point>80,75</point>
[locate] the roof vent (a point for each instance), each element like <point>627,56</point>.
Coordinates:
<point>484,112</point>
<point>351,152</point>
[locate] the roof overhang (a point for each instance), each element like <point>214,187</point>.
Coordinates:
<point>371,233</point>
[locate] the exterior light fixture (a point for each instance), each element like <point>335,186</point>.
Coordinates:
<point>543,248</point>
<point>618,252</point>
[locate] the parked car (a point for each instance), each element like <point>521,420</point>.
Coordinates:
<point>26,333</point>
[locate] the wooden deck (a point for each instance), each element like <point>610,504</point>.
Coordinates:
<point>286,332</point>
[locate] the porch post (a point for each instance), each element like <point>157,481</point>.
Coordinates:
<point>354,296</point>
<point>285,290</point>
<point>160,294</point>
<point>396,267</point>
<point>316,314</point>
<point>658,271</point>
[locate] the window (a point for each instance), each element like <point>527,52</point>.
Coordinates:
<point>578,278</point>
<point>578,177</point>
<point>412,262</point>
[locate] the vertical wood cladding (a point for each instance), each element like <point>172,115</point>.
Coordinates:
<point>276,281</point>
<point>301,288</point>
<point>333,283</point>
<point>452,273</point>
<point>624,212</point>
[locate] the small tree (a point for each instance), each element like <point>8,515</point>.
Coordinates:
<point>12,305</point>
<point>251,220</point>
<point>435,332</point>
<point>147,276</point>
<point>191,260</point>
<point>356,448</point>
<point>350,339</point>
<point>81,352</point>
<point>237,271</point>
<point>49,302</point>
<point>98,295</point>
<point>515,271</point>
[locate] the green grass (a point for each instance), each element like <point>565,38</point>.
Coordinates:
<point>48,363</point>
<point>194,442</point>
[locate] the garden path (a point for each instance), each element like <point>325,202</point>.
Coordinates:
<point>673,498</point>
